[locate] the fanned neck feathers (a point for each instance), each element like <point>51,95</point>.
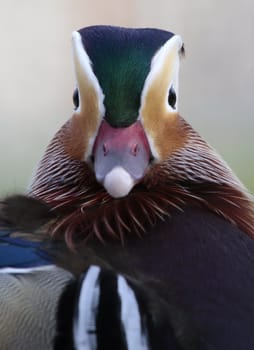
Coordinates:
<point>192,175</point>
<point>182,170</point>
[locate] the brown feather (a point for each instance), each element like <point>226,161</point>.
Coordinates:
<point>192,175</point>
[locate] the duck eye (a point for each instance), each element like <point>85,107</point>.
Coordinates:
<point>172,98</point>
<point>75,98</point>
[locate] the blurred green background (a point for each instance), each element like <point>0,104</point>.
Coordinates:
<point>36,73</point>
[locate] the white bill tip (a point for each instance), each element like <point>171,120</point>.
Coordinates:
<point>118,182</point>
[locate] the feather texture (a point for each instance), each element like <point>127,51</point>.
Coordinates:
<point>193,174</point>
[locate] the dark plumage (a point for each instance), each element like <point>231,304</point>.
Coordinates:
<point>155,324</point>
<point>128,190</point>
<point>200,285</point>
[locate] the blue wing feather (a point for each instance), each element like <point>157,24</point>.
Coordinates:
<point>22,214</point>
<point>17,252</point>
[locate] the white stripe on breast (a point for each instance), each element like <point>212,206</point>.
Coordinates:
<point>130,316</point>
<point>84,329</point>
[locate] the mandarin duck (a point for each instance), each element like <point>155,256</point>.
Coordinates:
<point>134,197</point>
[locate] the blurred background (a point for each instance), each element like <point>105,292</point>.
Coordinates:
<point>36,73</point>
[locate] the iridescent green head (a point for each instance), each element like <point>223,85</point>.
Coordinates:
<point>126,102</point>
<point>121,59</point>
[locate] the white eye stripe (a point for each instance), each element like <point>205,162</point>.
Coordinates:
<point>84,72</point>
<point>156,111</point>
<point>90,95</point>
<point>165,60</point>
<point>174,43</point>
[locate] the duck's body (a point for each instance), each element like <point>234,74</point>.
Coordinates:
<point>85,304</point>
<point>206,279</point>
<point>206,282</point>
<point>136,190</point>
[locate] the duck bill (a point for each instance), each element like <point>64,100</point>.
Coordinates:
<point>121,157</point>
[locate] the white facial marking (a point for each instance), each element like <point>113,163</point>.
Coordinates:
<point>164,74</point>
<point>87,83</point>
<point>84,73</point>
<point>158,62</point>
<point>118,182</point>
<point>174,43</point>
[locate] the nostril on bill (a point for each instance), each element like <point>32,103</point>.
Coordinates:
<point>105,149</point>
<point>134,150</point>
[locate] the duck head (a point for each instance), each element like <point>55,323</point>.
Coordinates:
<point>127,87</point>
<point>126,156</point>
